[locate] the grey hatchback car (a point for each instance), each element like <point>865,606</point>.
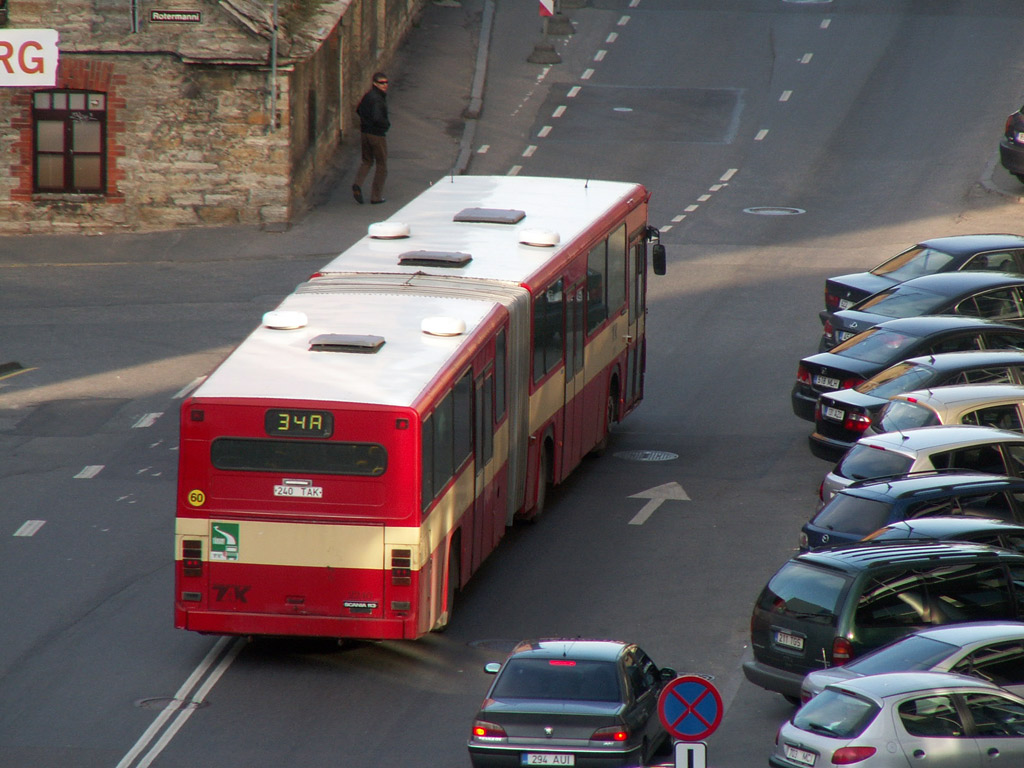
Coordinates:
<point>903,719</point>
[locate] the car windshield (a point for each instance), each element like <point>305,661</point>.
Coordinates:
<point>896,379</point>
<point>907,655</point>
<point>876,345</point>
<point>863,462</point>
<point>802,591</point>
<point>913,262</point>
<point>561,679</point>
<point>902,301</point>
<point>836,713</point>
<point>902,414</point>
<point>847,513</point>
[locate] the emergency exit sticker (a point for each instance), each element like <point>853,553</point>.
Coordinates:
<point>224,541</point>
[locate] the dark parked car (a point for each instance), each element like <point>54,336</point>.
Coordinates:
<point>991,295</point>
<point>842,417</point>
<point>979,530</point>
<point>861,509</point>
<point>1011,146</point>
<point>858,359</point>
<point>823,608</point>
<point>571,702</point>
<point>1003,253</point>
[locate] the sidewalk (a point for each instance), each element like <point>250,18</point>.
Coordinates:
<point>434,80</point>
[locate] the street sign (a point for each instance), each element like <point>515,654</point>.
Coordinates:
<point>690,708</point>
<point>691,754</point>
<point>547,7</point>
<point>28,57</point>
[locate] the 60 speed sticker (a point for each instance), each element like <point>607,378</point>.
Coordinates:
<point>196,498</point>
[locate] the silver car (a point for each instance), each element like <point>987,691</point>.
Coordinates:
<point>902,719</point>
<point>992,650</point>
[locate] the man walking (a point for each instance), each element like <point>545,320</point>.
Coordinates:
<point>373,127</point>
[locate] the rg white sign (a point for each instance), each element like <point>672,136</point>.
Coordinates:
<point>28,57</point>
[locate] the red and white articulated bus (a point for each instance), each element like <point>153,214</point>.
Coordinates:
<point>353,461</point>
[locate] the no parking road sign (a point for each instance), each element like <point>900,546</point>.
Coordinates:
<point>690,708</point>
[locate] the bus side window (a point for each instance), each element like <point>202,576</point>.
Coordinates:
<point>463,422</point>
<point>499,375</point>
<point>617,269</point>
<point>427,440</point>
<point>548,311</point>
<point>597,283</point>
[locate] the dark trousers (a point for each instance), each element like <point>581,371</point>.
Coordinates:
<point>375,152</point>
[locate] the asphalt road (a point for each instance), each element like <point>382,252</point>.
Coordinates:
<point>783,142</point>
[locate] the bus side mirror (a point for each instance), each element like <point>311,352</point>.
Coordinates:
<point>658,258</point>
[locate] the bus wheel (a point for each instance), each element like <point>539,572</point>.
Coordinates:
<point>453,588</point>
<point>542,483</point>
<point>609,419</point>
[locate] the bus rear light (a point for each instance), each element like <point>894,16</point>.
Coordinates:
<point>191,597</point>
<point>192,557</point>
<point>401,605</point>
<point>401,567</point>
<point>196,415</point>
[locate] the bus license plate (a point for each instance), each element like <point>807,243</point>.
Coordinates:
<point>826,381</point>
<point>801,756</point>
<point>299,491</point>
<point>790,641</point>
<point>836,414</point>
<point>545,758</point>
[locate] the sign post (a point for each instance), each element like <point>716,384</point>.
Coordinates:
<point>690,708</point>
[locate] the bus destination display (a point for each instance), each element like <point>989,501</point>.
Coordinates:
<point>295,423</point>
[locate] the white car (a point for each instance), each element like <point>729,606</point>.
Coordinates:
<point>987,405</point>
<point>895,454</point>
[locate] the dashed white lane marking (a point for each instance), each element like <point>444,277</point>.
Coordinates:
<point>785,96</point>
<point>623,21</point>
<point>703,198</point>
<point>599,56</point>
<point>806,58</point>
<point>678,218</point>
<point>29,527</point>
<point>483,149</point>
<point>147,421</point>
<point>612,37</point>
<point>514,170</point>
<point>559,111</point>
<point>90,471</point>
<point>544,131</point>
<point>729,174</point>
<point>691,208</point>
<point>634,3</point>
<point>666,228</point>
<point>528,152</point>
<point>587,74</point>
<point>761,134</point>
<point>573,91</point>
<point>825,23</point>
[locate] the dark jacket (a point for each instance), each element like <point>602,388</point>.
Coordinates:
<point>373,113</point>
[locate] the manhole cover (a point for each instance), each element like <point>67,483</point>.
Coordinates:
<point>505,646</point>
<point>647,455</point>
<point>774,210</point>
<point>169,702</point>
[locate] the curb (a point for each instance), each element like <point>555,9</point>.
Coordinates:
<point>476,96</point>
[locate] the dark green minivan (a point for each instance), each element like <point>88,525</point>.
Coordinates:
<point>823,608</point>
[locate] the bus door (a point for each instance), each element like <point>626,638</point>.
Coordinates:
<point>487,517</point>
<point>636,292</point>
<point>572,429</point>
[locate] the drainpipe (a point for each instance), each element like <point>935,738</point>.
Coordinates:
<point>273,73</point>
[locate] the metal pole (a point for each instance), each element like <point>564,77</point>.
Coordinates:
<point>273,73</point>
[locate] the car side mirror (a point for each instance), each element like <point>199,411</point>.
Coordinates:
<point>492,668</point>
<point>658,258</point>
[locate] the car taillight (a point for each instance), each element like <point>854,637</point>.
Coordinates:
<point>805,696</point>
<point>857,422</point>
<point>777,734</point>
<point>821,491</point>
<point>848,755</point>
<point>826,330</point>
<point>851,383</point>
<point>832,300</point>
<point>803,375</point>
<point>803,542</point>
<point>615,733</point>
<point>191,557</point>
<point>484,730</point>
<point>842,651</point>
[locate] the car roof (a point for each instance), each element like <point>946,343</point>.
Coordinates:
<point>960,245</point>
<point>932,480</point>
<point>889,684</point>
<point>923,325</point>
<point>944,527</point>
<point>945,435</point>
<point>576,648</point>
<point>963,394</point>
<point>973,632</point>
<point>967,358</point>
<point>866,555</point>
<point>959,283</point>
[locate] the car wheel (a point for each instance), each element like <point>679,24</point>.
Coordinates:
<point>542,484</point>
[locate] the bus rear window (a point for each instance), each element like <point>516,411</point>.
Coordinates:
<point>322,458</point>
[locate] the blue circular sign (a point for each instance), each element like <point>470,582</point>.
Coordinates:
<point>690,708</point>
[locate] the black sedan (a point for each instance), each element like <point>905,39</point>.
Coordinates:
<point>571,702</point>
<point>1002,253</point>
<point>979,530</point>
<point>841,418</point>
<point>868,353</point>
<point>1011,146</point>
<point>991,295</point>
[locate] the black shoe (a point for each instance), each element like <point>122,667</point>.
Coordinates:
<point>357,193</point>
<point>377,202</point>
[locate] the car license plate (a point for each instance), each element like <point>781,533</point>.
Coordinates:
<point>1020,137</point>
<point>547,758</point>
<point>844,335</point>
<point>836,414</point>
<point>826,381</point>
<point>846,303</point>
<point>299,491</point>
<point>801,756</point>
<point>788,640</point>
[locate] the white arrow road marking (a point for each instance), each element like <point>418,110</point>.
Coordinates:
<point>657,496</point>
